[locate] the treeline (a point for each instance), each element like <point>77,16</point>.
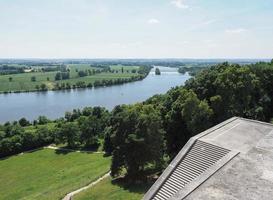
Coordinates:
<point>9,69</point>
<point>52,68</point>
<point>143,71</point>
<point>140,74</point>
<point>15,138</point>
<point>143,137</point>
<point>192,70</point>
<point>62,76</point>
<point>77,129</point>
<point>141,140</point>
<point>97,83</point>
<point>6,69</point>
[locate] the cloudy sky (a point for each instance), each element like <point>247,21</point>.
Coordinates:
<point>136,29</point>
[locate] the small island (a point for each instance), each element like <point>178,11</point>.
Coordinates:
<point>157,71</point>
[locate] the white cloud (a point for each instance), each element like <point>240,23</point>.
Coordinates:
<point>180,4</point>
<point>153,21</point>
<point>236,31</point>
<point>208,22</point>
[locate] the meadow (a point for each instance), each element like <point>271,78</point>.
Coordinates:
<point>49,174</point>
<point>22,82</point>
<point>118,190</point>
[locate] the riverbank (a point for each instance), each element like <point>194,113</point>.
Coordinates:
<point>83,84</point>
<point>53,104</point>
<point>72,77</point>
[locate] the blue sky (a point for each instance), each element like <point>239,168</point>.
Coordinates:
<point>136,29</point>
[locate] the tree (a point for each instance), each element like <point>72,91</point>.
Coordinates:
<point>197,114</point>
<point>43,120</point>
<point>23,122</point>
<point>45,136</point>
<point>137,140</point>
<point>82,73</point>
<point>68,116</point>
<point>65,75</point>
<point>10,79</point>
<point>233,90</point>
<point>33,78</point>
<point>58,76</point>
<point>90,129</point>
<point>184,115</point>
<point>68,133</point>
<point>108,145</point>
<point>87,111</point>
<point>157,71</point>
<point>43,87</point>
<point>122,70</point>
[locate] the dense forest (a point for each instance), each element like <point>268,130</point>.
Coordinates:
<point>142,138</point>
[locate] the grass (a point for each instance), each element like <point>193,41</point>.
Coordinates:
<point>48,174</point>
<point>118,190</point>
<point>22,82</point>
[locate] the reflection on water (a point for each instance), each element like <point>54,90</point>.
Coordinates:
<point>53,104</point>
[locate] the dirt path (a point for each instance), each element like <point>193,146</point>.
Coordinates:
<point>71,194</point>
<point>61,148</point>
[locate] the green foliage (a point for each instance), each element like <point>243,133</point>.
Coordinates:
<point>157,71</point>
<point>192,70</point>
<point>82,73</point>
<point>43,120</point>
<point>137,136</point>
<point>68,133</point>
<point>233,90</point>
<point>108,145</point>
<point>184,115</point>
<point>196,113</point>
<point>33,78</point>
<point>23,122</point>
<point>15,139</point>
<point>90,129</point>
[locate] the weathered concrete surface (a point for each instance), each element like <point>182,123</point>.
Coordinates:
<point>248,176</point>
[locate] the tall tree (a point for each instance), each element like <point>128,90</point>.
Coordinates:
<point>68,133</point>
<point>137,140</point>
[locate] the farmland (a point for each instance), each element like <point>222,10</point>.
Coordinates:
<point>49,174</point>
<point>31,81</point>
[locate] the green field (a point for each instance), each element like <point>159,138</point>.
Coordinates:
<point>49,174</point>
<point>107,189</point>
<point>22,82</point>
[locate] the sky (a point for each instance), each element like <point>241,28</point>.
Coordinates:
<point>136,28</point>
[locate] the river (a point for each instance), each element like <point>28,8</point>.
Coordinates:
<point>54,104</point>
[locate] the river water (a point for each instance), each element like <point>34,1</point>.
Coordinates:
<point>54,104</point>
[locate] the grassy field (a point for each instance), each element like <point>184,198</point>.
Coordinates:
<point>48,174</point>
<point>107,189</point>
<point>22,82</point>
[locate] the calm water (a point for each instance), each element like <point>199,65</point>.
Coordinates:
<point>53,104</point>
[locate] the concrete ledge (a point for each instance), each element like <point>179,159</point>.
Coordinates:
<point>171,167</point>
<point>190,187</point>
